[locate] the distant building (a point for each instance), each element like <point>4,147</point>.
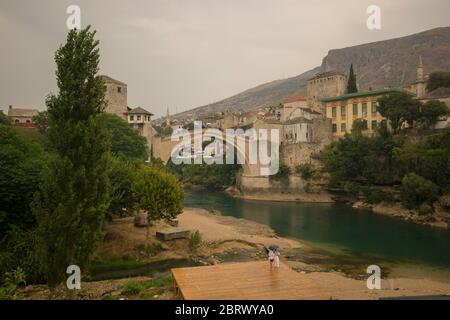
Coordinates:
<point>117,103</point>
<point>442,94</point>
<point>344,109</point>
<point>115,96</point>
<point>21,117</point>
<point>290,104</point>
<point>323,85</point>
<point>140,120</point>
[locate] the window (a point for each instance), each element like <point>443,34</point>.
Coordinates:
<point>364,108</point>
<point>131,118</point>
<point>28,121</point>
<point>343,127</point>
<point>119,89</point>
<point>138,118</point>
<point>355,109</point>
<point>334,127</point>
<point>374,124</point>
<point>333,112</point>
<point>374,107</point>
<point>17,121</point>
<point>343,111</point>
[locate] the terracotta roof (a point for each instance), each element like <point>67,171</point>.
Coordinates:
<point>139,110</point>
<point>108,79</point>
<point>22,112</point>
<point>295,98</point>
<point>441,92</point>
<point>327,74</point>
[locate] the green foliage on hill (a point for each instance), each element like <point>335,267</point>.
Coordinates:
<point>385,160</point>
<point>437,80</point>
<point>401,109</point>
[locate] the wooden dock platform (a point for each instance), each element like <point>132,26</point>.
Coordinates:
<point>245,281</point>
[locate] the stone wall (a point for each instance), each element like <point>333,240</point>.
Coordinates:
<point>292,189</point>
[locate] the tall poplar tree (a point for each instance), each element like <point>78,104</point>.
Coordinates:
<point>74,195</point>
<point>351,85</point>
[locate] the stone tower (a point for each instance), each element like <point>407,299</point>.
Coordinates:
<point>325,85</point>
<point>116,96</point>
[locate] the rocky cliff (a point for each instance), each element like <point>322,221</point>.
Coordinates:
<point>388,63</point>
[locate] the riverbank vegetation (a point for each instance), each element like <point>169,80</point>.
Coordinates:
<point>362,164</point>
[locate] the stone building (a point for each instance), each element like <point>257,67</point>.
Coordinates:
<point>140,120</point>
<point>21,117</point>
<point>344,109</point>
<point>116,96</point>
<point>290,104</point>
<point>300,138</point>
<point>324,85</point>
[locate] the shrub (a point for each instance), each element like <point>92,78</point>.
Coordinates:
<point>425,208</point>
<point>12,280</point>
<point>133,287</point>
<point>374,196</point>
<point>283,172</point>
<point>306,170</point>
<point>195,238</point>
<point>417,190</point>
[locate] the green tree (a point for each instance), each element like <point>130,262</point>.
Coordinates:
<point>41,121</point>
<point>399,108</point>
<point>126,143</point>
<point>4,119</point>
<point>358,127</point>
<point>417,190</point>
<point>437,80</point>
<point>21,162</point>
<point>158,192</point>
<point>351,85</point>
<point>121,175</point>
<point>431,111</point>
<point>74,194</point>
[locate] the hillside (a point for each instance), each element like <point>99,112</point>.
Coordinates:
<point>388,63</point>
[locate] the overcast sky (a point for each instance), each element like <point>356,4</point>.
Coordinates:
<point>187,53</point>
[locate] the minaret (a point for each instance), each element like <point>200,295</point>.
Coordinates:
<point>167,117</point>
<point>420,70</point>
<point>420,82</point>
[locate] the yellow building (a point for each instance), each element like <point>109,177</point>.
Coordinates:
<point>344,109</point>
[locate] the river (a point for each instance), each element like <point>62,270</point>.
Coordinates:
<point>342,230</point>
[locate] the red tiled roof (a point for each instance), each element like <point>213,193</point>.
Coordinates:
<point>295,98</point>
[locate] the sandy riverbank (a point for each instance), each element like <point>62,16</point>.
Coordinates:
<point>228,239</point>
